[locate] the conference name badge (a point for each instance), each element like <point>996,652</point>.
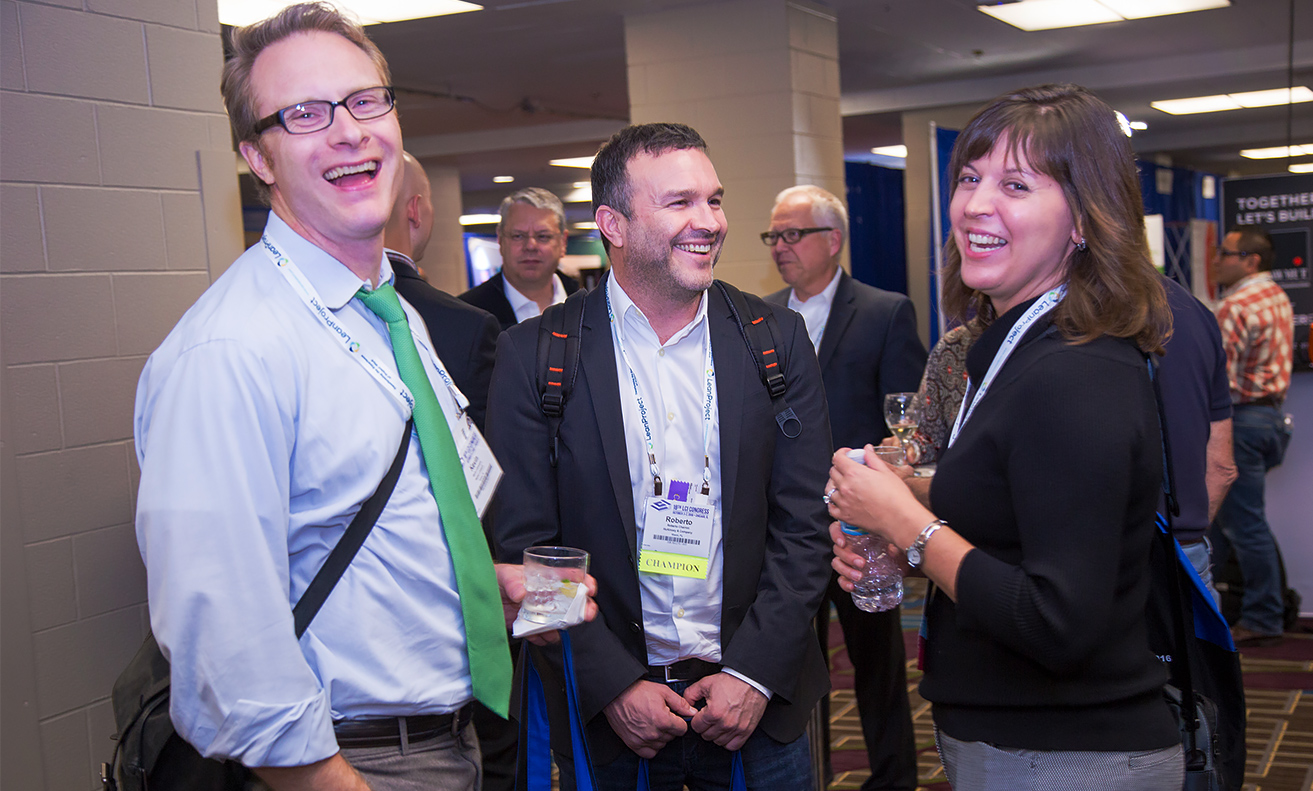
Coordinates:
<point>676,537</point>
<point>482,472</point>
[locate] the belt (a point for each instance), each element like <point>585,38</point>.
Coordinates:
<point>387,731</point>
<point>683,670</point>
<point>1267,400</point>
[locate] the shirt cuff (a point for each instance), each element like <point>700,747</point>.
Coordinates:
<point>749,682</point>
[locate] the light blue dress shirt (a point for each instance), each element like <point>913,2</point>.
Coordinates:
<point>259,436</point>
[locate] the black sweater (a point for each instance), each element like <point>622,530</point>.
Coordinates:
<point>1055,480</point>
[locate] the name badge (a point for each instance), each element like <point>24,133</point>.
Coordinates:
<point>482,472</point>
<point>676,537</point>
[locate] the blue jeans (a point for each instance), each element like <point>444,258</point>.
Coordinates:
<point>1259,446</point>
<point>692,761</point>
<point>1200,558</point>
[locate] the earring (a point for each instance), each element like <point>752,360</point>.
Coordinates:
<point>1081,245</point>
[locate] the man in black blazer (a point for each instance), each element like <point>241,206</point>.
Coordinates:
<point>531,234</point>
<point>676,665</point>
<point>868,346</point>
<point>464,337</point>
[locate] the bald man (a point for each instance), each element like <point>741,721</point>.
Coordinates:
<point>464,336</point>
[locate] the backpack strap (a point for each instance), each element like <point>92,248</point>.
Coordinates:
<point>761,332</point>
<point>557,362</point>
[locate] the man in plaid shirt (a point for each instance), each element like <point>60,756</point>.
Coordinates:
<point>1258,334</point>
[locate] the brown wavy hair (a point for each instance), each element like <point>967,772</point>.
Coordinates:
<point>1072,136</point>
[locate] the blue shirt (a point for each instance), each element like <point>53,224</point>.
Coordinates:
<point>258,437</point>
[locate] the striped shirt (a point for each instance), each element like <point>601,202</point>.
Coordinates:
<point>1258,331</point>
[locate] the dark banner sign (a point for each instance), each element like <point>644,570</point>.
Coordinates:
<point>1283,205</point>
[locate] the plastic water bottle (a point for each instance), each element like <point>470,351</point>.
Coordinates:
<point>881,585</point>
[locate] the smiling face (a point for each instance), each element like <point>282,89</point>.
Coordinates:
<point>1012,226</point>
<point>809,264</point>
<point>335,187</point>
<point>532,243</point>
<point>672,240</point>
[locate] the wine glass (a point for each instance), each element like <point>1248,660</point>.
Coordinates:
<point>901,415</point>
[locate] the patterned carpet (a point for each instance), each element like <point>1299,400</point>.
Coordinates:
<point>1278,690</point>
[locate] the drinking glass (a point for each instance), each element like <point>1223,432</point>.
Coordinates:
<point>552,576</point>
<point>902,416</point>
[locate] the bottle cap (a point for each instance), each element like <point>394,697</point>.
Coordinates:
<point>849,530</point>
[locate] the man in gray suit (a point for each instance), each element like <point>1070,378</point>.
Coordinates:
<point>867,344</point>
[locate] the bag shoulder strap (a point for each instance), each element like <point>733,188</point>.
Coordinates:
<point>557,362</point>
<point>345,551</point>
<point>761,333</point>
<point>1194,753</point>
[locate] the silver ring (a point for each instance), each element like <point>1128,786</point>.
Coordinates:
<point>826,496</point>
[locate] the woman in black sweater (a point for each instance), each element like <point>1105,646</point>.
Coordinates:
<point>1037,661</point>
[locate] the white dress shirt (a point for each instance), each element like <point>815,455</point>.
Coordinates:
<point>259,436</point>
<point>526,308</point>
<point>681,615</point>
<point>816,311</point>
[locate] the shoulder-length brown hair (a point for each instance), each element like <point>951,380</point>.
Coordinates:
<point>1072,136</point>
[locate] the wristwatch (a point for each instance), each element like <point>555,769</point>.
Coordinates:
<point>916,553</point>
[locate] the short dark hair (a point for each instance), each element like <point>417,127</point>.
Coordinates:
<point>610,172</point>
<point>1255,241</point>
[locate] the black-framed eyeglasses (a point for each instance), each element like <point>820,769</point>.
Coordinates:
<point>312,116</point>
<point>1222,252</point>
<point>543,239</point>
<point>789,235</point>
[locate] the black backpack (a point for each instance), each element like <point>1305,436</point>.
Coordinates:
<point>558,356</point>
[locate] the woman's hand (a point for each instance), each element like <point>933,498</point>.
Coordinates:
<point>874,498</point>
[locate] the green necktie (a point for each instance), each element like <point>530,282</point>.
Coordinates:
<point>480,600</point>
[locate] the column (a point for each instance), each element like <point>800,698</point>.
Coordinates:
<point>759,79</point>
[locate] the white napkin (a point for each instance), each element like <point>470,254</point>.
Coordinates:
<point>573,615</point>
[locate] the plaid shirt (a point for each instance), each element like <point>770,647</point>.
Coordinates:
<point>1258,331</point>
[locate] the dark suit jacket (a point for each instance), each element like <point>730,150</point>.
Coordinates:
<point>464,337</point>
<point>491,296</point>
<point>776,547</point>
<point>869,348</point>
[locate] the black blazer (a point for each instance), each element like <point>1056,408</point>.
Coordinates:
<point>869,348</point>
<point>776,547</point>
<point>464,337</point>
<point>491,296</point>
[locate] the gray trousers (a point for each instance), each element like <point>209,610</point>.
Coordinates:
<point>447,763</point>
<point>977,766</point>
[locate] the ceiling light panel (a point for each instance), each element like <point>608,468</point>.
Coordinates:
<point>479,219</point>
<point>900,152</point>
<point>1050,14</point>
<point>370,12</point>
<point>1302,167</point>
<point>573,162</point>
<point>1278,152</point>
<point>1233,101</point>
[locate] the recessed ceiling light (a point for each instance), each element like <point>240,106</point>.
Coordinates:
<point>899,152</point>
<point>581,184</point>
<point>502,179</point>
<point>582,194</point>
<point>1302,167</point>
<point>479,219</point>
<point>1234,101</point>
<point>370,12</point>
<point>573,162</point>
<point>1139,126</point>
<point>1278,152</point>
<point>1050,14</point>
<point>585,226</point>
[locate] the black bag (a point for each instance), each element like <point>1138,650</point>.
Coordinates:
<point>561,325</point>
<point>1205,690</point>
<point>149,753</point>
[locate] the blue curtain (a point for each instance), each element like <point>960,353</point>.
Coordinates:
<point>1184,202</point>
<point>876,234</point>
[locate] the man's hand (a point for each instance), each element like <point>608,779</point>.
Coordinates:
<point>510,580</point>
<point>647,715</point>
<point>734,707</point>
<point>330,774</point>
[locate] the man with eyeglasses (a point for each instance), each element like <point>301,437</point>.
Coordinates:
<point>266,418</point>
<point>531,234</point>
<point>1258,332</point>
<point>867,344</point>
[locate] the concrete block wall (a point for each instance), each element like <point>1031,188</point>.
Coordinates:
<point>118,206</point>
<point>760,82</point>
